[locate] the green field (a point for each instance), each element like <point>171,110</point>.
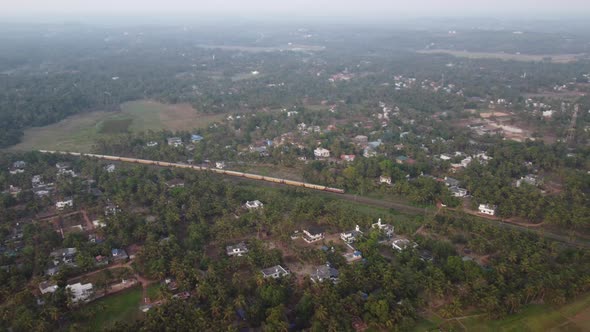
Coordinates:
<point>79,132</point>
<point>121,307</point>
<point>574,316</point>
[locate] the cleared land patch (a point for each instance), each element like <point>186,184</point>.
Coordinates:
<point>80,132</point>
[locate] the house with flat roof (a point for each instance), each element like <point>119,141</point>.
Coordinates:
<point>385,179</point>
<point>324,272</point>
<point>80,292</point>
<point>387,229</point>
<point>119,254</point>
<point>237,250</point>
<point>487,209</point>
<point>458,192</point>
<point>196,138</point>
<point>47,287</point>
<point>313,234</point>
<point>274,272</point>
<point>351,236</point>
<point>174,141</point>
<point>253,205</point>
<point>60,205</point>
<point>401,243</point>
<point>321,153</point>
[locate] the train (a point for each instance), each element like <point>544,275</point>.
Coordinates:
<point>251,176</point>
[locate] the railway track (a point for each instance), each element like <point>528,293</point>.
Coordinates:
<point>200,168</point>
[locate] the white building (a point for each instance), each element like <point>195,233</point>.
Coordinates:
<point>253,205</point>
<point>458,192</point>
<point>401,243</point>
<point>321,153</point>
<point>110,168</point>
<point>175,141</point>
<point>47,287</point>
<point>220,165</point>
<point>385,179</point>
<point>487,209</point>
<point>385,228</point>
<point>80,292</point>
<point>151,144</point>
<point>312,235</point>
<point>65,203</point>
<point>274,272</point>
<point>351,236</point>
<point>236,250</point>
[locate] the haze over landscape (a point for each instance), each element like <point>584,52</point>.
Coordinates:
<point>304,165</point>
<point>306,8</point>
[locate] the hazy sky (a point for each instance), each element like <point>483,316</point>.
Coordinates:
<point>301,7</point>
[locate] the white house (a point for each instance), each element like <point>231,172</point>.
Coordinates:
<point>401,243</point>
<point>253,205</point>
<point>321,153</point>
<point>80,292</point>
<point>274,272</point>
<point>220,165</point>
<point>312,234</point>
<point>487,209</point>
<point>458,192</point>
<point>351,236</point>
<point>237,250</point>
<point>445,156</point>
<point>151,144</point>
<point>47,287</point>
<point>385,228</point>
<point>110,168</point>
<point>385,179</point>
<point>175,141</point>
<point>65,203</point>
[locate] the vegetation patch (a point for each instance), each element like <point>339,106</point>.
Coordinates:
<point>114,126</point>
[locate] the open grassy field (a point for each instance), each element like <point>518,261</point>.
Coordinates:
<point>556,58</point>
<point>574,316</point>
<point>120,307</point>
<point>79,132</point>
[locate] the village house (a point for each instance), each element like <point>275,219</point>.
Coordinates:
<point>347,157</point>
<point>385,179</point>
<point>151,144</point>
<point>450,182</point>
<point>313,234</point>
<point>274,272</point>
<point>174,141</point>
<point>60,205</point>
<point>529,179</point>
<point>458,192</point>
<point>351,236</point>
<point>361,139</point>
<point>110,168</point>
<point>119,255</point>
<point>387,229</point>
<point>324,272</point>
<point>80,292</point>
<point>401,243</point>
<point>253,205</point>
<point>111,209</point>
<point>404,160</point>
<point>369,152</point>
<point>353,256</point>
<point>237,250</point>
<point>220,165</point>
<point>445,156</point>
<point>196,138</point>
<point>487,209</point>
<point>48,287</point>
<point>321,153</point>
